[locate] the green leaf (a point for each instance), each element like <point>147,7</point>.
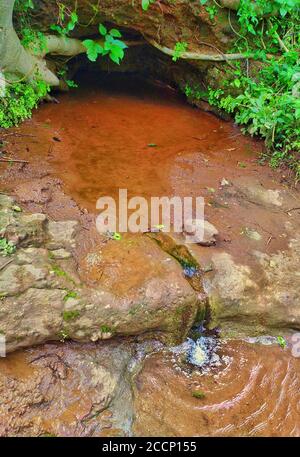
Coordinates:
<point>73,21</point>
<point>118,52</point>
<point>71,83</point>
<point>115,33</point>
<point>145,4</point>
<point>237,82</point>
<point>283,12</point>
<point>282,342</point>
<point>120,44</point>
<point>114,58</point>
<point>93,49</point>
<point>102,30</point>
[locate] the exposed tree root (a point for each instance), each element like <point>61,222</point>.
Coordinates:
<point>17,62</point>
<point>220,57</point>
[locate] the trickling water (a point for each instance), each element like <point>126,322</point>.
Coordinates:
<point>203,352</point>
<point>250,390</point>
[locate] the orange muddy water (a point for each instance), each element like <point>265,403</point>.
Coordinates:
<point>123,133</point>
<point>254,392</point>
<point>120,132</point>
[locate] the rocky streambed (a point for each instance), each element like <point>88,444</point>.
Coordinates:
<point>99,330</point>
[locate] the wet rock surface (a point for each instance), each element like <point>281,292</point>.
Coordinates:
<point>249,300</point>
<point>126,287</point>
<point>252,391</point>
<point>207,230</point>
<point>66,390</point>
<point>113,389</point>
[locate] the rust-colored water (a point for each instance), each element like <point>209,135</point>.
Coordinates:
<point>124,133</point>
<point>120,132</point>
<point>255,392</point>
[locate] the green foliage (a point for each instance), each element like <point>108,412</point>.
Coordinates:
<point>7,248</point>
<point>16,208</point>
<point>58,271</point>
<point>146,4</point>
<point>19,100</point>
<point>63,274</point>
<point>62,73</point>
<point>70,294</point>
<point>212,11</point>
<point>198,394</point>
<point>24,5</point>
<point>34,40</point>
<point>282,342</point>
<point>117,236</point>
<point>70,315</point>
<point>105,329</point>
<point>252,13</point>
<point>63,335</point>
<point>180,47</point>
<point>93,49</point>
<point>30,38</point>
<point>66,21</point>
<point>112,46</point>
<point>267,100</point>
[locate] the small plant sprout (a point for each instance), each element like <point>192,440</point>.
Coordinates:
<point>16,208</point>
<point>70,315</point>
<point>179,48</point>
<point>117,236</point>
<point>7,248</point>
<point>282,342</point>
<point>70,294</point>
<point>105,329</point>
<point>198,394</point>
<point>63,335</point>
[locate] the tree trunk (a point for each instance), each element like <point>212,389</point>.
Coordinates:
<point>18,63</point>
<point>15,61</point>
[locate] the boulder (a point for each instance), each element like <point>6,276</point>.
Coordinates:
<point>210,233</point>
<point>264,296</point>
<point>120,287</point>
